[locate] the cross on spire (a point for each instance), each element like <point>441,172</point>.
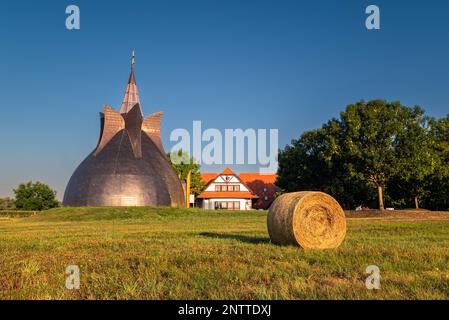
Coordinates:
<point>131,97</point>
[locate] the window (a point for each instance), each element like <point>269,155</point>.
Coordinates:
<point>227,205</point>
<point>225,188</point>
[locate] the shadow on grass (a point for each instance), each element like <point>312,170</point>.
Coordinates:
<point>238,237</point>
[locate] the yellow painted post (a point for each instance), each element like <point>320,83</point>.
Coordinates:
<point>189,176</point>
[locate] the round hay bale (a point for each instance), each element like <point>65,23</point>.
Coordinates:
<point>312,220</point>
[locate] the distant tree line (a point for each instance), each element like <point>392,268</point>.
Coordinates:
<point>375,154</point>
<point>31,197</point>
<point>7,204</point>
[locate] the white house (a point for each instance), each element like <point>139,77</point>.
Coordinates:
<point>228,192</point>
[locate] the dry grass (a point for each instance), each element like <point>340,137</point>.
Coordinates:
<point>146,253</point>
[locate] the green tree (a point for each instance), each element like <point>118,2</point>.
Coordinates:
<point>300,164</point>
<point>438,183</point>
<point>372,145</point>
<point>183,163</point>
<point>308,164</point>
<point>416,156</point>
<point>7,204</point>
<point>369,136</point>
<point>37,196</point>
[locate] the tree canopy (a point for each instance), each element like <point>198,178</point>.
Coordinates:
<point>35,196</point>
<point>374,150</point>
<point>183,165</point>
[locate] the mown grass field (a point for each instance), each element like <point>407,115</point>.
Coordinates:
<point>148,253</point>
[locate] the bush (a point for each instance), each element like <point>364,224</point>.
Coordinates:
<point>37,196</point>
<point>7,204</point>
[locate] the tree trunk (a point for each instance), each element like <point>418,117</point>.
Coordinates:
<point>381,198</point>
<point>416,203</point>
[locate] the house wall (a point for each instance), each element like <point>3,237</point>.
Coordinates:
<point>245,204</point>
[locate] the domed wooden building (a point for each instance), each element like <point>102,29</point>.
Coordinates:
<point>129,166</point>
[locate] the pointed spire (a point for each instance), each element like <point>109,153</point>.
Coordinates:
<point>131,97</point>
<point>132,79</point>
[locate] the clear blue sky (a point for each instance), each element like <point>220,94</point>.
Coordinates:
<point>281,64</point>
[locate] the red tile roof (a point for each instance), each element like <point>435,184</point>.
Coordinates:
<point>239,195</point>
<point>265,178</point>
<point>208,176</point>
<point>245,177</point>
<point>263,185</point>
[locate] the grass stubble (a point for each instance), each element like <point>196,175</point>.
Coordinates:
<point>163,253</point>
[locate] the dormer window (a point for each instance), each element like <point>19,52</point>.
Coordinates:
<point>227,188</point>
